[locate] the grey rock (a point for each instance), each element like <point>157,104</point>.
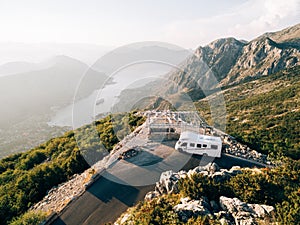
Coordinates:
<point>209,168</point>
<point>228,204</point>
<point>214,206</point>
<point>225,221</point>
<point>189,208</point>
<point>243,213</point>
<point>151,195</point>
<point>243,218</point>
<point>269,209</point>
<point>259,211</point>
<point>168,183</point>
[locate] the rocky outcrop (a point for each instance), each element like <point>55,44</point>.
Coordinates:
<point>168,182</point>
<point>192,208</point>
<point>221,55</point>
<point>210,62</point>
<point>243,213</point>
<point>229,211</point>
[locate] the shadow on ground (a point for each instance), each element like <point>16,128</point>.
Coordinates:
<point>113,187</point>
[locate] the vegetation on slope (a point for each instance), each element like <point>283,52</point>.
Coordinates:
<point>264,113</point>
<point>26,177</point>
<point>160,211</point>
<point>278,186</point>
<point>29,218</point>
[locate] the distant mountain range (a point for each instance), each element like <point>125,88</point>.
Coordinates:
<point>46,85</point>
<point>37,52</point>
<point>222,63</point>
<point>11,68</point>
<point>139,53</point>
<point>233,61</point>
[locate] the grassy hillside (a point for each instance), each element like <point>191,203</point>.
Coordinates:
<point>26,177</point>
<point>264,113</point>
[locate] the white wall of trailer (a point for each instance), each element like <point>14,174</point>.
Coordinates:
<point>200,144</point>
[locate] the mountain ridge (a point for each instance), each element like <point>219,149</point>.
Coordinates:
<point>291,33</point>
<point>233,61</point>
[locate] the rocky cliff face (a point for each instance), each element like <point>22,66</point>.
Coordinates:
<point>221,55</point>
<point>232,61</point>
<point>215,59</point>
<point>262,57</point>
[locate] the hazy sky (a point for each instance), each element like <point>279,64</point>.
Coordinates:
<point>187,23</point>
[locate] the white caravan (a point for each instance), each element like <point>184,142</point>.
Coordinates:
<point>199,144</point>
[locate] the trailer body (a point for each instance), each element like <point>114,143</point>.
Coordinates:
<point>195,143</point>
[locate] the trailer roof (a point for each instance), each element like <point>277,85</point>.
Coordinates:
<point>196,136</point>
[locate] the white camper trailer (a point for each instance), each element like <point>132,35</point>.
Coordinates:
<point>199,144</point>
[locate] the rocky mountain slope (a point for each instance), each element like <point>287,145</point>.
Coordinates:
<point>232,61</point>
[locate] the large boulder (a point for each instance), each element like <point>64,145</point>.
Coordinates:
<point>214,206</point>
<point>244,218</point>
<point>192,208</point>
<point>210,168</point>
<point>259,211</point>
<point>243,213</point>
<point>224,218</point>
<point>168,183</point>
<point>151,195</point>
<point>214,171</point>
<point>228,204</point>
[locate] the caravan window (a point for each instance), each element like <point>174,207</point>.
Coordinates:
<point>184,144</point>
<point>192,144</point>
<point>214,146</point>
<point>204,146</point>
<point>198,145</point>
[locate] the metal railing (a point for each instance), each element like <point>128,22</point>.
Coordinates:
<point>180,121</point>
